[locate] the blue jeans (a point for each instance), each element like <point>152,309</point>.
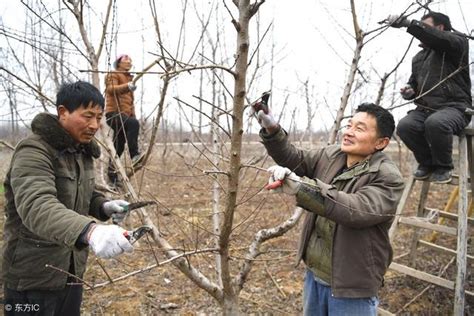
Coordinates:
<point>317,300</point>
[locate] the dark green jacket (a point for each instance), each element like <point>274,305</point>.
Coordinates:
<point>361,201</point>
<point>49,193</point>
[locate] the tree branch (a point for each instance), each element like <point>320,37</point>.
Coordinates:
<point>262,236</point>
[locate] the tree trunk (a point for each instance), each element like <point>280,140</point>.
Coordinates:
<point>347,92</point>
<point>359,36</point>
<point>230,306</point>
<point>242,26</point>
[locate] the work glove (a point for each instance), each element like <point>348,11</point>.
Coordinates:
<point>407,92</point>
<point>116,209</point>
<point>266,120</point>
<point>290,182</point>
<point>395,20</point>
<point>131,86</point>
<point>108,241</point>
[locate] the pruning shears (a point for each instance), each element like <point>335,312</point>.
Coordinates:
<point>134,235</point>
<point>261,103</point>
<point>274,185</point>
<point>134,206</point>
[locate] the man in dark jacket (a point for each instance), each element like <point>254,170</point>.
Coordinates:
<point>441,88</point>
<point>49,193</point>
<point>350,192</point>
<point>120,112</point>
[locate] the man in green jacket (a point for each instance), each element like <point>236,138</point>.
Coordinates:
<point>350,192</point>
<point>49,193</point>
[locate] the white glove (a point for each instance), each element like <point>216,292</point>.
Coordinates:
<point>290,181</point>
<point>132,86</point>
<point>108,241</point>
<point>116,209</point>
<point>266,120</point>
<point>395,20</point>
<point>407,92</point>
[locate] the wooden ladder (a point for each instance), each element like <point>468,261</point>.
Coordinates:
<point>466,172</point>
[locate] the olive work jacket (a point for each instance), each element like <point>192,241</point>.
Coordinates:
<point>362,208</point>
<point>49,193</point>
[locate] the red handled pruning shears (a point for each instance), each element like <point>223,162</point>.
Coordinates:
<point>274,185</point>
<point>261,103</point>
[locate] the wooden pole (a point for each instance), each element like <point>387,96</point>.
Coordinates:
<point>459,290</point>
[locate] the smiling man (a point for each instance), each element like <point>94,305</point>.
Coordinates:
<point>350,192</point>
<point>49,194</point>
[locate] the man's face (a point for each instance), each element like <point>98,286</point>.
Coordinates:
<point>360,138</point>
<point>429,21</point>
<point>83,123</point>
<point>125,63</point>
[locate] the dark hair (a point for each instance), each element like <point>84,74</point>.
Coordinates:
<point>77,94</point>
<point>438,19</point>
<point>384,119</point>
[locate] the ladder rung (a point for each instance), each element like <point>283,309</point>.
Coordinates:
<point>448,215</point>
<point>422,275</point>
<point>415,221</point>
<point>441,248</point>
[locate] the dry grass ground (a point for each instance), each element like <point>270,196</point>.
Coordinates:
<point>174,177</point>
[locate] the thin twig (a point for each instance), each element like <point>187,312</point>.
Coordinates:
<point>206,115</point>
<point>69,274</point>
<point>274,281</point>
<point>432,88</point>
<point>150,267</point>
<point>7,144</point>
<point>103,269</point>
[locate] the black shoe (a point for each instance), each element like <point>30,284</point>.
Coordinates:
<point>422,172</point>
<point>137,159</point>
<point>441,176</point>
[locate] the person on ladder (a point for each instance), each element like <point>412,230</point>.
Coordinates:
<point>120,112</point>
<point>441,88</point>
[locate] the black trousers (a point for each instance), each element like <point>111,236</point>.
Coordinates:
<point>44,303</point>
<point>429,135</point>
<point>126,130</point>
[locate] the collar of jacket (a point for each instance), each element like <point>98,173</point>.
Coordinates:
<point>369,165</point>
<point>123,73</point>
<point>47,126</point>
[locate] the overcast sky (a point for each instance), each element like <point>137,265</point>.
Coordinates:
<point>310,40</point>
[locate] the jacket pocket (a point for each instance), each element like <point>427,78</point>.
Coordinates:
<point>87,186</point>
<point>66,186</point>
<point>30,261</point>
